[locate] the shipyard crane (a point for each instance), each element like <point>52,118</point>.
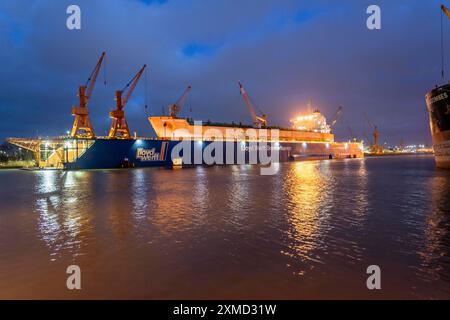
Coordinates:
<point>119,126</point>
<point>258,121</point>
<point>352,134</point>
<point>336,117</point>
<point>176,107</point>
<point>375,147</point>
<point>82,127</point>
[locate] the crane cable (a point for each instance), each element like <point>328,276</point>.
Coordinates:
<point>442,46</point>
<point>190,103</point>
<point>90,77</point>
<point>255,106</point>
<point>104,73</point>
<point>146,90</point>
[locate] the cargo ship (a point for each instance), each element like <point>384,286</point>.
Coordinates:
<point>181,141</point>
<point>105,153</point>
<point>438,107</point>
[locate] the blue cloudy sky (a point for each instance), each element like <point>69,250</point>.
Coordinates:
<point>286,53</point>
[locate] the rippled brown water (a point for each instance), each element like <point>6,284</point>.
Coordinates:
<point>226,232</point>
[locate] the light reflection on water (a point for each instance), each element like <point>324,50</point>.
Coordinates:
<point>227,232</point>
<point>436,250</point>
<point>139,196</point>
<point>305,192</point>
<point>62,221</point>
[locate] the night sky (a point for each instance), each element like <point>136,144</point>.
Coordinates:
<point>285,52</point>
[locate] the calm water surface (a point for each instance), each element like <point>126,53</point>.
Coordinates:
<point>227,232</point>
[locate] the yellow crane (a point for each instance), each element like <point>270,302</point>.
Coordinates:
<point>176,107</point>
<point>375,148</point>
<point>82,127</point>
<point>119,127</point>
<point>258,121</point>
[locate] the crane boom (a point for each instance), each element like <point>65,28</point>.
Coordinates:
<point>336,117</point>
<point>258,121</point>
<point>176,107</point>
<point>445,10</point>
<point>182,99</point>
<point>90,83</point>
<point>132,85</point>
<point>248,103</point>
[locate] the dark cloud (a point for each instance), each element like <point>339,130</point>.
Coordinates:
<point>285,52</point>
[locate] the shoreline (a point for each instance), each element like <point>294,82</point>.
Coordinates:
<point>17,164</point>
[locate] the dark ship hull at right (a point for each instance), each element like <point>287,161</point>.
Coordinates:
<point>438,106</point>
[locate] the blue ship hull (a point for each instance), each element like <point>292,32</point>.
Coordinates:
<point>109,153</point>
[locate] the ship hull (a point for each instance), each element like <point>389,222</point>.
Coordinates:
<point>108,153</point>
<point>438,107</point>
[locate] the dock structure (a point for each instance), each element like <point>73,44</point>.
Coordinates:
<point>53,152</point>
